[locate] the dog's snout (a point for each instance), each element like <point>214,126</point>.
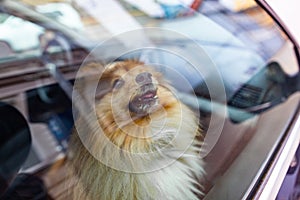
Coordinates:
<point>143,78</point>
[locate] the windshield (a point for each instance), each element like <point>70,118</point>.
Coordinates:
<point>240,42</point>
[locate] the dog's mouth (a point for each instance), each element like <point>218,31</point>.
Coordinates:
<point>145,100</point>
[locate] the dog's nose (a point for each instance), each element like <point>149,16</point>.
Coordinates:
<point>143,78</point>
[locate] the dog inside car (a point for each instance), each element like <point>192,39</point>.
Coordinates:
<point>143,143</point>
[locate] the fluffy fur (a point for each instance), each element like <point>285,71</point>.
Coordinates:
<point>147,121</point>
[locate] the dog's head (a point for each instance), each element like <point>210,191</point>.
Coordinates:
<point>134,87</point>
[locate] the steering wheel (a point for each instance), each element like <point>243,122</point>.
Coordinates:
<point>56,50</point>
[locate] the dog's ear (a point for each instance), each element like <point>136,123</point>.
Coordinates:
<point>104,86</point>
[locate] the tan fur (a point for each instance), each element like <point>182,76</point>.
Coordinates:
<point>165,132</point>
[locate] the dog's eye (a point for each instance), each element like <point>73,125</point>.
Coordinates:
<point>118,83</point>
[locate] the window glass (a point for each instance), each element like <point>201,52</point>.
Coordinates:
<point>13,41</point>
<point>230,64</point>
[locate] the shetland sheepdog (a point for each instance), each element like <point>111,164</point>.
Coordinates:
<point>144,143</point>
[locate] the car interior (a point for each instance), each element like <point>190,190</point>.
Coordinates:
<point>242,128</point>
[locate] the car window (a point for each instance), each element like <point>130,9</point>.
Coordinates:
<point>231,65</point>
<point>14,42</point>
